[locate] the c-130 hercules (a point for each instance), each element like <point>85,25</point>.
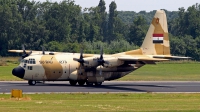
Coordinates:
<point>96,68</point>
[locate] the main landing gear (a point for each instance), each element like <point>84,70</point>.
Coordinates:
<point>31,82</point>
<point>82,82</point>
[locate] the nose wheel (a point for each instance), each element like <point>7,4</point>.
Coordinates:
<point>31,82</point>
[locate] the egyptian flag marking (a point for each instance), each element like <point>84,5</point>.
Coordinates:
<point>158,38</point>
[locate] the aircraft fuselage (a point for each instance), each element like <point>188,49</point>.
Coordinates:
<point>62,67</point>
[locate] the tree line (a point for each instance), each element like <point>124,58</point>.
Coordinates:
<point>66,27</point>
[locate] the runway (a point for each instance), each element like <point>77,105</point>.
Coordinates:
<point>108,86</point>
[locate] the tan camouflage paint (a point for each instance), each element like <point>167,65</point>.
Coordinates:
<point>157,27</point>
<point>54,70</point>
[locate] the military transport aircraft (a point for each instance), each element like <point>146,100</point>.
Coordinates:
<point>93,69</point>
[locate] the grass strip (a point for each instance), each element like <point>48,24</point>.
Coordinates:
<point>83,102</point>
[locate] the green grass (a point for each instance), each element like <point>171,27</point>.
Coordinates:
<point>166,72</point>
<point>6,66</point>
<point>101,102</point>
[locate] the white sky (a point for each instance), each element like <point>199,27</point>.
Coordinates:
<point>138,5</point>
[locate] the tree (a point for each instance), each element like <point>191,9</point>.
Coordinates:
<point>138,31</point>
<point>103,21</point>
<point>111,20</point>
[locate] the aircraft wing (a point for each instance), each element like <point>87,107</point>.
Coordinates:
<point>33,52</point>
<point>141,59</point>
<point>21,51</point>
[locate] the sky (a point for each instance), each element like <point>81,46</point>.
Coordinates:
<point>137,5</point>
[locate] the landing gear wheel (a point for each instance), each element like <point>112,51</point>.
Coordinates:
<point>73,83</point>
<point>81,83</point>
<point>31,82</point>
<point>89,83</point>
<point>98,83</point>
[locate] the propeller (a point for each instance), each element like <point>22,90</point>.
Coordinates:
<point>101,61</point>
<point>81,61</point>
<point>25,54</point>
<point>43,50</point>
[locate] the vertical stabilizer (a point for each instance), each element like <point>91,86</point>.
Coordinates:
<point>156,41</point>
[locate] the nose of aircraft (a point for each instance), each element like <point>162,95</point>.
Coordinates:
<point>18,71</point>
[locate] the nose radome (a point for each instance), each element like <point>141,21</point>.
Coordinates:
<point>19,72</point>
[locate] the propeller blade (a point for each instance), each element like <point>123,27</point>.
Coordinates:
<point>80,72</point>
<point>81,61</point>
<point>100,72</point>
<point>75,59</point>
<point>106,62</point>
<point>101,54</point>
<point>23,48</point>
<point>24,55</point>
<point>81,54</point>
<point>101,60</point>
<point>30,53</point>
<point>43,50</point>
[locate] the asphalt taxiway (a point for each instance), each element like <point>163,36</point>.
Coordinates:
<point>108,86</point>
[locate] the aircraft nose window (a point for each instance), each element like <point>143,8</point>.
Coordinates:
<point>25,61</point>
<point>22,61</point>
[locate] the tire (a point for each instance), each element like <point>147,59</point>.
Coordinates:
<point>72,82</point>
<point>89,83</point>
<point>98,83</point>
<point>81,83</point>
<point>31,82</point>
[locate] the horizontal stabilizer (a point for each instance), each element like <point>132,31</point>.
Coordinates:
<point>170,57</point>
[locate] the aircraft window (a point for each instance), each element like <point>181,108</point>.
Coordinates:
<point>32,61</point>
<point>25,61</point>
<point>22,61</point>
<point>30,68</point>
<point>24,65</point>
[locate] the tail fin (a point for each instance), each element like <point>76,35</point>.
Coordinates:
<point>156,41</point>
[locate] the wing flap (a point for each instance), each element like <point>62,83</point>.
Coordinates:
<point>141,59</point>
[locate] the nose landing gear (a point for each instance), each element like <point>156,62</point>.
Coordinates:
<point>31,82</point>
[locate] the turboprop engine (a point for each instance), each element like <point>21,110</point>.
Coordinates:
<point>91,62</point>
<point>116,69</point>
<point>112,62</point>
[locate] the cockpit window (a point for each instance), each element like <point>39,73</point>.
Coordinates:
<point>22,61</point>
<point>31,61</point>
<point>25,61</point>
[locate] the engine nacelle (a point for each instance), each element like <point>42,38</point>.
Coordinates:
<point>90,62</point>
<point>116,69</point>
<point>113,62</point>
